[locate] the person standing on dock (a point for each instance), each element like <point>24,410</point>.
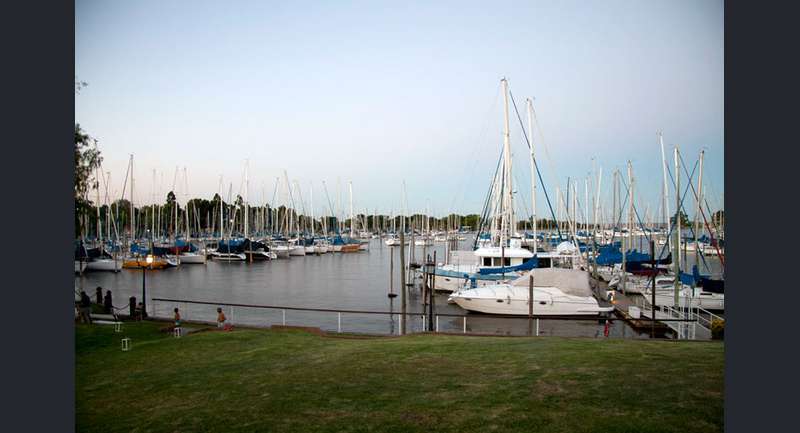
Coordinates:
<point>108,305</point>
<point>220,318</point>
<point>86,308</point>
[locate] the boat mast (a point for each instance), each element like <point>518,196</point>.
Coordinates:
<point>533,176</point>
<point>666,188</point>
<point>507,203</point>
<point>352,216</point>
<point>97,204</point>
<point>221,216</point>
<point>699,199</point>
<point>311,198</point>
<point>175,206</point>
<point>246,197</point>
<point>677,257</point>
<point>133,213</point>
<point>630,205</point>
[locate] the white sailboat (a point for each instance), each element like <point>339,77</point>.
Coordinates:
<point>106,262</point>
<point>502,248</point>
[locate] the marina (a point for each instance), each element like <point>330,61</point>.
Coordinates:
<point>406,217</point>
<point>278,253</point>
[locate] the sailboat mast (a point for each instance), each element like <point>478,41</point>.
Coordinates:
<point>677,257</point>
<point>507,194</point>
<point>133,213</point>
<point>533,176</point>
<point>311,199</point>
<point>630,204</point>
<point>666,188</point>
<point>699,200</point>
<point>246,198</point>
<point>352,216</point>
<point>97,204</point>
<point>221,216</point>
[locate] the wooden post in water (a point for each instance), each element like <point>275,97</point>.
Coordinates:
<point>653,290</point>
<point>402,283</point>
<point>432,291</point>
<point>530,304</point>
<point>391,273</point>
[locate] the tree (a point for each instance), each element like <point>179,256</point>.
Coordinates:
<point>684,219</point>
<point>87,159</point>
<point>718,218</point>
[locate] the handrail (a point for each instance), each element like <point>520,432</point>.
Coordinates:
<point>417,313</point>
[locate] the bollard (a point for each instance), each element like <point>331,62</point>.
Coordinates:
<point>537,326</point>
<point>284,317</point>
<point>423,323</point>
<point>437,323</point>
<point>465,324</point>
<point>340,322</point>
<point>126,344</point>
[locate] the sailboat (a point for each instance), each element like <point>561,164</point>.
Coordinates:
<point>499,252</point>
<point>102,260</point>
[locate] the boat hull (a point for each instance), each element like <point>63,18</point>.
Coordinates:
<point>228,257</point>
<point>507,300</point>
<point>107,265</point>
<point>190,259</point>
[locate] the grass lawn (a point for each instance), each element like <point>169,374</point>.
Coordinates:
<point>289,380</point>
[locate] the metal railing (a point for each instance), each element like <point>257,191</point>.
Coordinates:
<point>415,321</point>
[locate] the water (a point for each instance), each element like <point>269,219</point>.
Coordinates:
<point>352,281</point>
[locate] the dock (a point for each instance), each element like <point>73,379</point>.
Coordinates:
<point>623,302</point>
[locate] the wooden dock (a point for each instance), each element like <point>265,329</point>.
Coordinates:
<point>623,302</point>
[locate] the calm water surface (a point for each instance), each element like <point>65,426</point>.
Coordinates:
<point>354,281</point>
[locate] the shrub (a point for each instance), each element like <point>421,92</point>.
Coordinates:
<point>718,329</point>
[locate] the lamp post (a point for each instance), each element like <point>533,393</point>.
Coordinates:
<point>149,261</point>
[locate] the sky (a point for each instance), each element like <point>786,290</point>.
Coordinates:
<point>386,93</point>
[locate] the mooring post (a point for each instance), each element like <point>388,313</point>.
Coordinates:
<point>402,282</point>
<point>433,290</point>
<point>391,272</point>
<point>530,302</point>
<point>653,290</point>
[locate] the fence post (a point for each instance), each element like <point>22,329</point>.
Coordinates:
<point>423,323</point>
<point>465,324</point>
<point>284,317</point>
<point>340,321</point>
<point>437,323</point>
<point>537,326</point>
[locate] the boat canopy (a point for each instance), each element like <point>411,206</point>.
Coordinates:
<point>526,266</point>
<point>570,281</point>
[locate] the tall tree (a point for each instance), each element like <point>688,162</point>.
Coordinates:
<point>87,159</point>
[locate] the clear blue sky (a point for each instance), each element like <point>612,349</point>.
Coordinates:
<point>381,92</point>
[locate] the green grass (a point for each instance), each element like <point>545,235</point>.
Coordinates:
<point>285,380</point>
